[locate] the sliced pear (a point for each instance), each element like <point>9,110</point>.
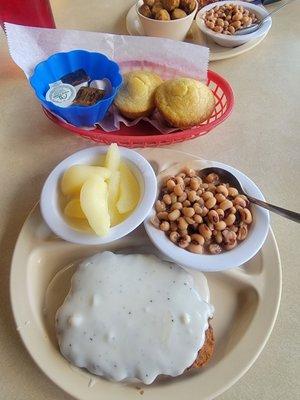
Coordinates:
<point>73,209</point>
<point>93,201</point>
<point>75,176</point>
<point>113,195</point>
<point>129,190</point>
<point>113,157</point>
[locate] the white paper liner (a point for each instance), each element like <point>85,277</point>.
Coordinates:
<point>28,46</point>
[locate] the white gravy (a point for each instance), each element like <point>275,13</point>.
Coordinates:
<point>132,316</point>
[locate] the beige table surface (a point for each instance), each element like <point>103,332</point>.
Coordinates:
<point>261,138</point>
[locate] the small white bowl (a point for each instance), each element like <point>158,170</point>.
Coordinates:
<point>214,262</point>
<point>234,40</point>
<point>53,214</point>
<point>176,29</point>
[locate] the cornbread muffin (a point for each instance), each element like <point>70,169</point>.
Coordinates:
<point>184,102</point>
<point>136,97</point>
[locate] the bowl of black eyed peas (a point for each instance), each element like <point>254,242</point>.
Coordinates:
<point>204,223</point>
<point>222,20</point>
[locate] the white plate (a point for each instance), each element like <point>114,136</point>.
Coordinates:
<point>246,301</point>
<point>195,36</point>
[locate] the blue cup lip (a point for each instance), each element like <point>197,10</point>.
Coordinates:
<point>78,107</point>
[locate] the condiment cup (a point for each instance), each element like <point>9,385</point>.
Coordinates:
<point>176,29</point>
<point>96,65</point>
<point>234,40</point>
<point>243,252</point>
<point>51,196</point>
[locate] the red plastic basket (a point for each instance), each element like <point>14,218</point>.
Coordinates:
<point>145,135</point>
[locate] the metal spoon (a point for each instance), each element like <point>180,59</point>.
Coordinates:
<point>228,177</point>
<point>256,26</point>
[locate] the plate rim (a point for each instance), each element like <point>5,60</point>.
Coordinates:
<point>24,335</point>
<point>213,56</point>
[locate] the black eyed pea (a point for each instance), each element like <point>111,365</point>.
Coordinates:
<point>226,204</point>
<point>175,214</point>
<point>236,24</point>
<point>232,192</point>
<point>196,238</point>
<point>184,241</point>
<point>197,208</point>
<point>187,181</point>
<point>220,226</point>
<point>204,212</point>
<point>155,221</point>
<point>214,248</point>
<point>182,224</point>
<point>207,195</point>
<point>246,216</point>
<point>239,201</point>
<point>212,178</point>
<point>179,180</point>
<point>198,219</point>
<point>178,190</point>
<point>167,199</point>
<point>186,203</point>
<point>230,246</point>
<point>182,197</point>
<point>213,216</point>
<point>189,220</point>
<point>160,206</point>
<point>223,190</point>
<point>242,232</point>
<point>174,237</point>
<point>205,231</point>
<point>230,219</point>
<point>170,185</point>
<point>164,226</point>
<point>176,206</point>
<point>220,197</point>
<point>200,201</point>
<point>194,184</point>
<point>210,203</point>
<point>188,211</point>
<point>229,236</point>
<point>192,196</point>
<point>190,172</point>
<point>210,24</point>
<point>237,16</point>
<point>173,198</point>
<point>219,237</point>
<point>195,248</point>
<point>212,187</point>
<point>163,215</point>
<point>221,213</point>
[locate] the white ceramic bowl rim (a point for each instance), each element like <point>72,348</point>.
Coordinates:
<point>259,9</point>
<point>234,258</point>
<point>53,215</point>
<point>138,4</point>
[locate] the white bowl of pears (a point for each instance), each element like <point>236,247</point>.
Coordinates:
<point>98,195</point>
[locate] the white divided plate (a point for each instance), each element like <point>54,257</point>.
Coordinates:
<point>246,301</point>
<point>195,36</point>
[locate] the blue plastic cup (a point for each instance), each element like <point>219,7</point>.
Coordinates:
<point>96,65</point>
